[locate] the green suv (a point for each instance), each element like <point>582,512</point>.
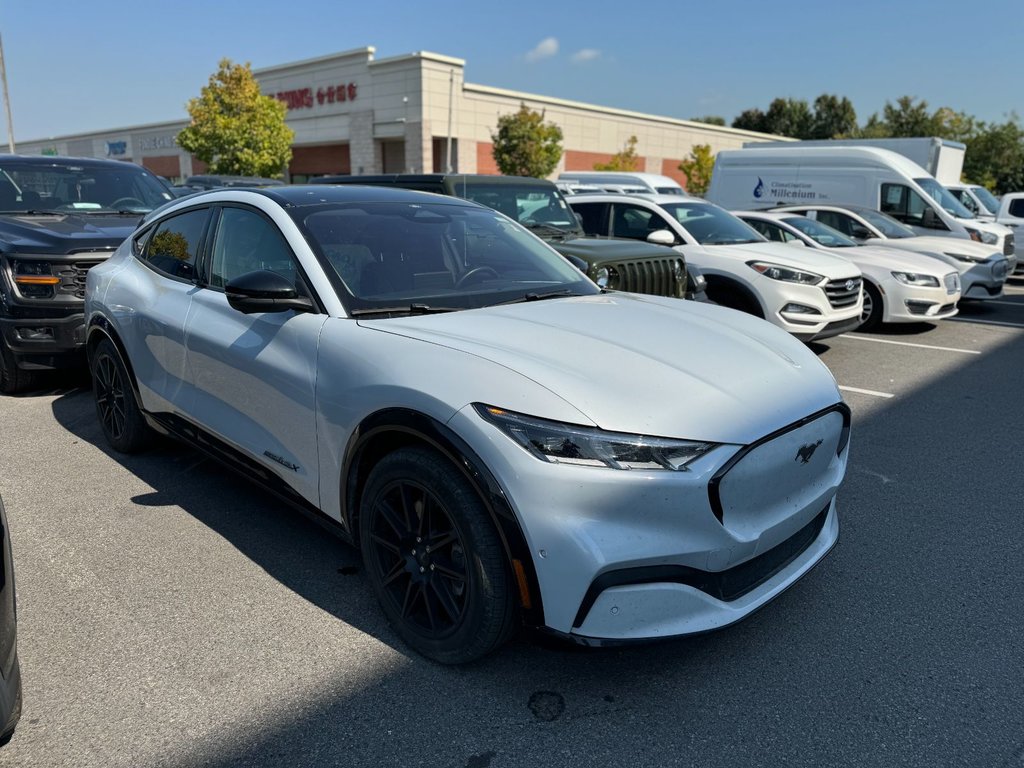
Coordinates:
<point>539,206</point>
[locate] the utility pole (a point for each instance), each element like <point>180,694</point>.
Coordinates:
<point>7,100</point>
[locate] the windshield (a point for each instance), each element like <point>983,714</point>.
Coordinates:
<point>943,197</point>
<point>387,257</point>
<point>63,187</point>
<point>711,225</point>
<point>820,233</point>
<point>538,208</point>
<point>671,191</point>
<point>887,225</point>
<point>987,199</point>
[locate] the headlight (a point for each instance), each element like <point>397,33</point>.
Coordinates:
<point>559,443</point>
<point>678,271</point>
<point>775,272</point>
<point>964,257</point>
<point>989,238</point>
<point>911,278</point>
<point>974,234</point>
<point>607,277</point>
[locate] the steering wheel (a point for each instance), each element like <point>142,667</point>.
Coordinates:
<point>127,202</point>
<point>476,272</point>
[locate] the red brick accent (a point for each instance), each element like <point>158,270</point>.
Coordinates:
<point>168,166</point>
<point>576,160</point>
<point>313,161</point>
<point>670,168</point>
<point>485,158</point>
<point>198,166</point>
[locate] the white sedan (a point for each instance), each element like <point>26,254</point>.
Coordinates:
<point>899,286</point>
<point>503,440</point>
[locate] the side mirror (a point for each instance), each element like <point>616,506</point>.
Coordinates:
<point>264,291</point>
<point>661,237</point>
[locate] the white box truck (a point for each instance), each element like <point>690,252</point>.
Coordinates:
<point>942,158</point>
<point>881,179</point>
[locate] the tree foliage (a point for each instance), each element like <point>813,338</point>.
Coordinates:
<point>698,167</point>
<point>626,160</point>
<point>709,119</point>
<point>525,145</point>
<point>234,128</point>
<point>834,117</point>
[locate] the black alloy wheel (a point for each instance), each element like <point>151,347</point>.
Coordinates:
<point>434,558</point>
<point>120,418</point>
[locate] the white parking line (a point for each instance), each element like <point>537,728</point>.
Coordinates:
<point>910,344</point>
<point>982,322</point>
<point>866,392</point>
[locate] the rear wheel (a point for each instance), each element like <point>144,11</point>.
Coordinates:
<point>871,315</point>
<point>116,407</point>
<point>434,558</point>
<point>12,378</point>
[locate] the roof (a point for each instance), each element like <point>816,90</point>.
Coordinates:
<point>810,157</point>
<point>434,178</point>
<point>316,194</point>
<point>62,160</point>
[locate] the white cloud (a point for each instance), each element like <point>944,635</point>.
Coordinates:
<point>585,55</point>
<point>545,49</point>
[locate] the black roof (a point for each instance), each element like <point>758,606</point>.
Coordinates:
<point>61,161</point>
<point>316,194</point>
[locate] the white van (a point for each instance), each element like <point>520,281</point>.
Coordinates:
<point>976,199</point>
<point>876,178</point>
<point>621,181</point>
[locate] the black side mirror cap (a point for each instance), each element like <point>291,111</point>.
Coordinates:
<point>265,291</point>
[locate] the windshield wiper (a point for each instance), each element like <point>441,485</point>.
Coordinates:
<point>538,297</point>
<point>408,309</point>
<point>548,228</point>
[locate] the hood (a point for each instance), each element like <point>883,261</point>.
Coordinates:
<point>938,245</point>
<point>879,261</point>
<point>798,257</point>
<point>643,364</point>
<point>598,250</point>
<point>58,233</point>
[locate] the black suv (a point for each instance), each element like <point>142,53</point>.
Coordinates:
<point>539,206</point>
<point>59,216</point>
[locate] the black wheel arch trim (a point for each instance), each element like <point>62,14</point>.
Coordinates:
<point>100,326</point>
<point>413,426</point>
<point>717,282</point>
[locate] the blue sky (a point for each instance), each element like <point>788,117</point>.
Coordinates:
<point>75,67</point>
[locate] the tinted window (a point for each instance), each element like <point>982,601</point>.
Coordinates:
<point>174,245</point>
<point>820,232</point>
<point>247,242</point>
<point>1017,208</point>
<point>635,222</point>
<point>904,204</point>
<point>836,220</point>
<point>64,186</point>
<point>773,232</point>
<point>711,225</point>
<point>594,217</point>
<point>987,199</point>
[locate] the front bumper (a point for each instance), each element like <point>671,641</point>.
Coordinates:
<point>709,545</point>
<point>912,304</point>
<point>985,280</point>
<point>46,342</point>
<point>805,310</point>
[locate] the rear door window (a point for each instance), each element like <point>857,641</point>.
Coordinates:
<point>173,248</point>
<point>594,217</point>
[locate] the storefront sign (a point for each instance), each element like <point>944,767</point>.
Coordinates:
<point>302,98</point>
<point>158,142</point>
<point>117,148</point>
<point>50,151</point>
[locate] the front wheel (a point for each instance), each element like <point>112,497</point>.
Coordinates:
<point>116,407</point>
<point>871,315</point>
<point>434,558</point>
<point>12,378</point>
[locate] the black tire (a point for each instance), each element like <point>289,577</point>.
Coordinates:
<point>434,558</point>
<point>116,407</point>
<point>12,721</point>
<point>871,316</point>
<point>12,378</point>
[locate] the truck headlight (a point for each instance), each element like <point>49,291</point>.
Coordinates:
<point>912,278</point>
<point>785,274</point>
<point>988,238</point>
<point>559,443</point>
<point>607,277</point>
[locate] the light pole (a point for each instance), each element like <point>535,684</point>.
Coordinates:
<point>7,100</point>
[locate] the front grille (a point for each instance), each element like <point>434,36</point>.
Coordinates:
<point>72,277</point>
<point>843,293</point>
<point>952,282</point>
<point>654,276</point>
<point>1008,244</point>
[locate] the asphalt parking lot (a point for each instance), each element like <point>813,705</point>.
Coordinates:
<point>171,614</point>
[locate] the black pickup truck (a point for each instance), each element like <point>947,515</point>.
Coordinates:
<point>59,216</point>
<point>538,205</point>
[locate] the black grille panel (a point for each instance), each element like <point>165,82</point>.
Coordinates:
<point>843,293</point>
<point>1009,244</point>
<point>654,276</point>
<point>72,277</point>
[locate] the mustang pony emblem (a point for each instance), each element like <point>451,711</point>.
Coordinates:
<point>803,455</point>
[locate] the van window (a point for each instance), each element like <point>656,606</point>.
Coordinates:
<point>965,199</point>
<point>904,204</point>
<point>1017,208</point>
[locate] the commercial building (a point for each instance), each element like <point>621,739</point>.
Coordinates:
<point>352,113</point>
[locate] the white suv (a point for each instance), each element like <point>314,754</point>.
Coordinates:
<point>810,294</point>
<point>503,440</point>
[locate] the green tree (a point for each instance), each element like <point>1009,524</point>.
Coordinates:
<point>789,117</point>
<point>698,167</point>
<point>909,118</point>
<point>995,156</point>
<point>524,145</point>
<point>234,128</point>
<point>626,160</point>
<point>833,117</point>
<point>752,119</point>
<point>709,119</point>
